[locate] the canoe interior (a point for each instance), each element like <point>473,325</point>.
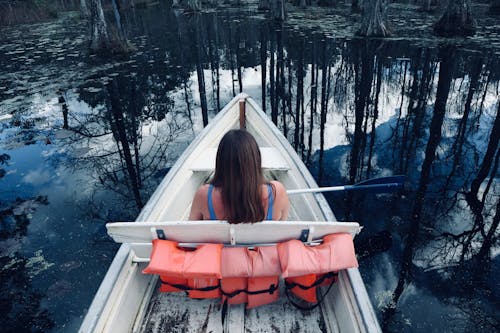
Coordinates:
<point>128,301</point>
<point>174,312</point>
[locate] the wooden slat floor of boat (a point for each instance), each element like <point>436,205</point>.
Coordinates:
<point>175,312</point>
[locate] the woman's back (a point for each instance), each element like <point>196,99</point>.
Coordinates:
<point>200,209</point>
<point>238,191</point>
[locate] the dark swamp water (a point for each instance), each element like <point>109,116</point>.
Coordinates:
<point>84,141</point>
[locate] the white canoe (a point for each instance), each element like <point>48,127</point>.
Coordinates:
<point>129,301</point>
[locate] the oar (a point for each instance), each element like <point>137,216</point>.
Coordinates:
<point>379,185</point>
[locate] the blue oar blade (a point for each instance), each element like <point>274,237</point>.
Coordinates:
<point>375,188</point>
<point>399,179</point>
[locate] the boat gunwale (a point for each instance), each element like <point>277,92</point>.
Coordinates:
<point>363,303</point>
<point>99,303</point>
<point>100,300</point>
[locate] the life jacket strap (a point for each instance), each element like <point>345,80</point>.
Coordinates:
<point>272,288</point>
<point>320,280</point>
<point>187,288</point>
<point>223,315</point>
<point>315,284</point>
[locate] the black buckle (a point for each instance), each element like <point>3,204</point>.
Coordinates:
<point>160,234</point>
<point>304,235</point>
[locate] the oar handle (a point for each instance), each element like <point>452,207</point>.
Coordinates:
<point>384,187</point>
<point>315,190</point>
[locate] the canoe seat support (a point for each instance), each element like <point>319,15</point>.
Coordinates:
<point>232,236</point>
<point>306,235</point>
<point>158,233</point>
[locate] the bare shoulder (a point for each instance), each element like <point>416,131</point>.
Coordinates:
<point>278,185</point>
<point>280,189</point>
<point>197,207</point>
<point>282,203</point>
<point>202,191</point>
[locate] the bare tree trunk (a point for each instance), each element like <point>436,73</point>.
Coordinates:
<point>263,65</point>
<point>272,88</point>
<point>314,98</point>
<point>428,5</point>
<point>199,70</point>
<point>264,4</point>
<point>489,239</point>
<point>443,90</point>
<point>375,115</point>
<point>238,58</point>
<point>489,155</point>
<point>495,6</point>
<point>120,39</point>
<point>194,5</point>
<point>64,107</point>
<point>300,96</point>
<point>278,10</point>
<point>280,79</point>
<point>363,87</point>
<point>489,166</point>
<point>84,9</point>
<point>462,127</point>
<point>374,19</point>
<point>120,133</point>
<point>418,97</point>
<point>99,38</point>
<point>356,7</point>
<point>327,3</point>
<point>457,20</point>
<point>289,92</point>
<point>325,78</point>
<point>215,62</point>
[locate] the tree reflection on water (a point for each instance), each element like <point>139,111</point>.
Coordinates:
<point>352,109</point>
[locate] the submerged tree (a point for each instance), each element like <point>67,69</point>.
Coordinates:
<point>374,19</point>
<point>119,34</point>
<point>84,9</point>
<point>457,20</point>
<point>278,10</point>
<point>3,160</point>
<point>428,5</point>
<point>446,69</point>
<point>355,5</point>
<point>495,6</point>
<point>193,5</point>
<point>264,4</point>
<point>101,40</point>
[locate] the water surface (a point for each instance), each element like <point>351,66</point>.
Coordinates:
<point>85,141</point>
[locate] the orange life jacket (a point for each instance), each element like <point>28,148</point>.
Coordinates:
<point>250,276</point>
<point>304,267</point>
<point>194,271</point>
<point>242,275</point>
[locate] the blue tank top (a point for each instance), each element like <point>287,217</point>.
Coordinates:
<point>269,215</point>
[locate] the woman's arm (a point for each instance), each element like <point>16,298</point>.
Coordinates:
<point>197,207</point>
<point>281,203</point>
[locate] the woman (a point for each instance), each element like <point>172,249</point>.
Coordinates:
<point>238,192</point>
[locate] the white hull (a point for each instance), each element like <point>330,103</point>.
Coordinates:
<point>127,300</point>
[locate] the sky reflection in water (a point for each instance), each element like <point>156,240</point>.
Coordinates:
<point>85,141</point>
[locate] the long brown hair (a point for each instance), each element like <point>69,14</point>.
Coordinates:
<point>238,174</point>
